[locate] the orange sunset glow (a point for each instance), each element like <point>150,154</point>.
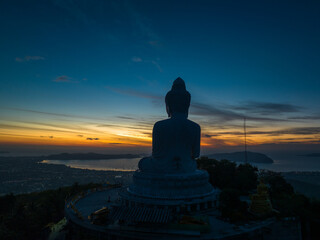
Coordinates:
<point>122,135</point>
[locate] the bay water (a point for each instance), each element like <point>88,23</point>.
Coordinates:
<point>282,163</point>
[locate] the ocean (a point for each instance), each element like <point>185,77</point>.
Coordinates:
<point>282,163</point>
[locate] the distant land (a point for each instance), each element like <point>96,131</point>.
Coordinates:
<point>76,156</point>
<point>310,155</point>
<point>89,156</point>
<point>253,157</point>
<point>25,174</point>
<point>307,183</point>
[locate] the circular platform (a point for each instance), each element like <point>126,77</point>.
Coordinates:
<point>171,186</point>
<point>79,209</point>
<point>179,192</point>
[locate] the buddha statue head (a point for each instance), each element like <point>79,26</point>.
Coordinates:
<point>178,99</point>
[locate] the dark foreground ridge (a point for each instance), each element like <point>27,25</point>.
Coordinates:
<point>253,157</point>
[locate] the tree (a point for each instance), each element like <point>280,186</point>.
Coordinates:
<point>226,174</point>
<point>246,178</point>
<point>231,207</point>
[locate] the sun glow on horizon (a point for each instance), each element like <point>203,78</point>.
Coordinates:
<point>121,138</point>
<point>113,133</point>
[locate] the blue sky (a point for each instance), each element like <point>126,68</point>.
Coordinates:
<point>75,65</point>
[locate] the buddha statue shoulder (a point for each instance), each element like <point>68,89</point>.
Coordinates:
<point>176,140</point>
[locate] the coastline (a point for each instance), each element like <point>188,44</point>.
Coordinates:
<point>27,174</point>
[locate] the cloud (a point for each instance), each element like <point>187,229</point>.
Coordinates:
<point>135,93</point>
<point>153,62</point>
<point>303,138</point>
<point>293,131</point>
<point>136,59</point>
<point>75,9</point>
<point>141,24</point>
<point>157,65</point>
<point>210,135</point>
<point>50,113</point>
<point>46,136</point>
<point>299,131</point>
<point>202,109</point>
<point>63,78</point>
<point>65,127</point>
<point>92,139</point>
<point>16,135</point>
<point>29,58</point>
<point>308,117</point>
<point>127,118</point>
<point>155,43</point>
<point>80,135</point>
<point>138,125</point>
<point>265,108</point>
<point>107,125</point>
<point>12,126</point>
<point>217,143</point>
<point>199,109</point>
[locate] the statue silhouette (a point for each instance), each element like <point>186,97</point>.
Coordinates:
<point>176,140</point>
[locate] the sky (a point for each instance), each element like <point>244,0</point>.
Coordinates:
<point>79,76</point>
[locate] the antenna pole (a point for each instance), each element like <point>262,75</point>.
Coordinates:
<point>245,141</point>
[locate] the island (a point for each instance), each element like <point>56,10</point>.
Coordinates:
<point>252,157</point>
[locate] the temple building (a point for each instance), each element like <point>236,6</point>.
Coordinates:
<point>260,202</point>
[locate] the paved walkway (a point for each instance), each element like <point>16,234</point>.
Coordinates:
<point>96,200</point>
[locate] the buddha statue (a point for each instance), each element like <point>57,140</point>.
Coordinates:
<point>176,140</point>
<point>170,175</point>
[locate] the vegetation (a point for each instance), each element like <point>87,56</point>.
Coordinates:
<point>231,207</point>
<point>233,180</point>
<point>237,180</point>
<point>27,216</point>
<point>225,174</point>
<point>294,205</point>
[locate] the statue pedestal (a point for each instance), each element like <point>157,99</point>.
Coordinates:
<point>189,192</point>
